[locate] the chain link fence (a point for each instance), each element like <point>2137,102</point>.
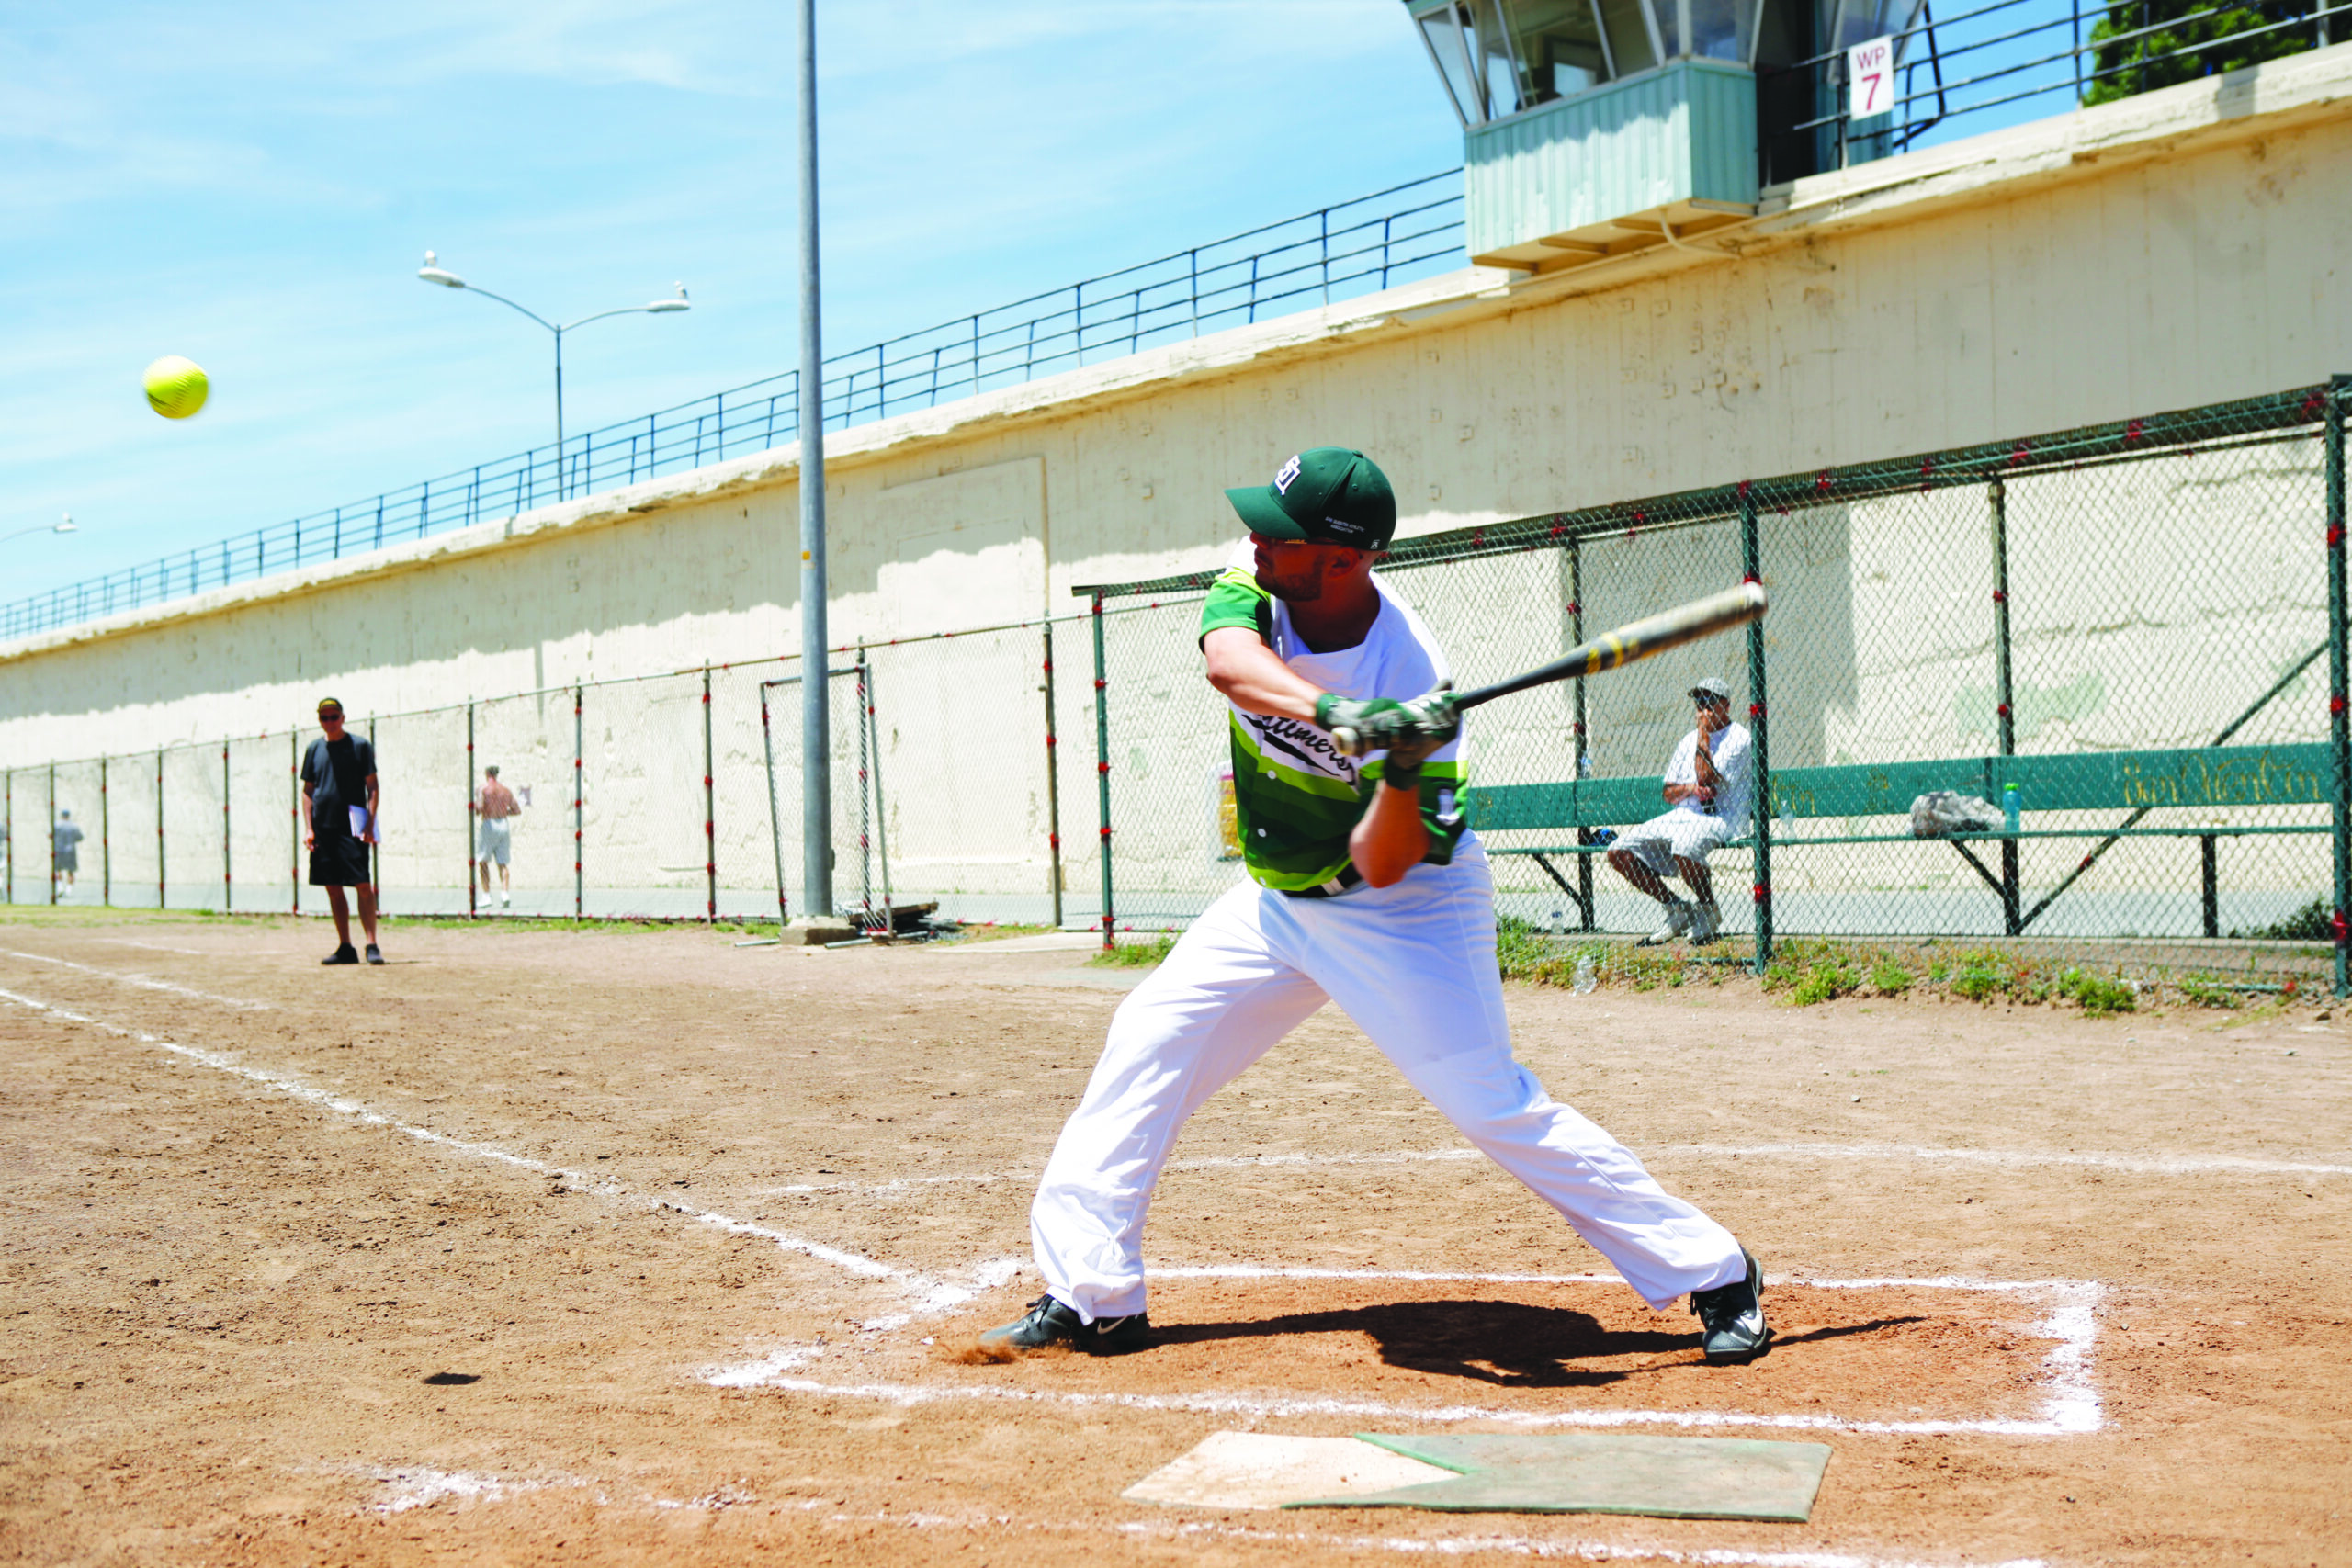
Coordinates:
<point>2121,647</point>
<point>2113,646</point>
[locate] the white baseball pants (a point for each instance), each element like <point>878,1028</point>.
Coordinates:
<point>1414,966</point>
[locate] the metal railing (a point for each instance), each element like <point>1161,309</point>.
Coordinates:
<point>1959,72</point>
<point>1391,236</point>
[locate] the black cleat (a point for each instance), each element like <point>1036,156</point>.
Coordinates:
<point>1733,1316</point>
<point>375,954</point>
<point>1048,1321</point>
<point>347,953</point>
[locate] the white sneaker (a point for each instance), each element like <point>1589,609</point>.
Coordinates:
<point>1705,921</point>
<point>1676,921</point>
<point>502,899</point>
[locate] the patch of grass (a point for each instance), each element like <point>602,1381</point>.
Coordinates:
<point>1824,982</point>
<point>2206,994</point>
<point>1978,983</point>
<point>2099,997</point>
<point>1890,978</point>
<point>1522,951</point>
<point>2314,923</point>
<point>102,915</point>
<point>505,923</point>
<point>1135,954</point>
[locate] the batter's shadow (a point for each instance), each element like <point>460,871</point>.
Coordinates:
<point>1506,1344</point>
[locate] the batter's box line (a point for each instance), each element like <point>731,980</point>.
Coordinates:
<point>2071,1404</point>
<point>931,1295</point>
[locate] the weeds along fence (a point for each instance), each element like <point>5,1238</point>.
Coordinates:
<point>2134,631</point>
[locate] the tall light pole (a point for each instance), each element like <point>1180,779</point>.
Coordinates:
<point>816,730</point>
<point>434,272</point>
<point>68,526</point>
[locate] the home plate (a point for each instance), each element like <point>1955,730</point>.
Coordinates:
<point>1675,1478</point>
<point>1260,1469</point>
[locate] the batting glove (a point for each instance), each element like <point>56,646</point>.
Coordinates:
<point>1358,728</point>
<point>1421,728</point>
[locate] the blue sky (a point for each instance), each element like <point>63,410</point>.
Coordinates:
<point>253,187</point>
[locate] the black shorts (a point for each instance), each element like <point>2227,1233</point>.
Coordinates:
<point>339,861</point>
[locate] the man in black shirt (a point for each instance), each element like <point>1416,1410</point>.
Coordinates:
<point>339,824</point>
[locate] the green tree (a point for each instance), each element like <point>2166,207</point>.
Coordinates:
<point>2190,39</point>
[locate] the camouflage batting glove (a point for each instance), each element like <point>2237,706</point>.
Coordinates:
<point>1420,728</point>
<point>1358,728</point>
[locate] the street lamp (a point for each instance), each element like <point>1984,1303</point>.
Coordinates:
<point>68,526</point>
<point>434,272</point>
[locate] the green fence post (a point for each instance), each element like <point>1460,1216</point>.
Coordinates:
<point>1582,763</point>
<point>2004,711</point>
<point>1103,764</point>
<point>1053,785</point>
<point>1751,560</point>
<point>105,849</point>
<point>161,891</point>
<point>2339,734</point>
<point>52,831</point>
<point>227,896</point>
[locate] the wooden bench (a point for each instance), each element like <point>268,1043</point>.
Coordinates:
<point>2138,783</point>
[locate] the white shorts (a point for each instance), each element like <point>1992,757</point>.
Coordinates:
<point>1678,834</point>
<point>1414,966</point>
<point>495,841</point>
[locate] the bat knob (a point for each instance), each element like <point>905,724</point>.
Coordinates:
<point>1351,744</point>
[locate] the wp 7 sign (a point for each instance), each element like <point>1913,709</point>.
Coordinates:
<point>1870,78</point>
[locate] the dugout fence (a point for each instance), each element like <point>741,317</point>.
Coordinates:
<point>2137,626</point>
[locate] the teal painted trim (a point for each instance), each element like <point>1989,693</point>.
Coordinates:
<point>2197,777</point>
<point>1682,132</point>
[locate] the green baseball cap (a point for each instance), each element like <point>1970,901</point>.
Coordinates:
<point>1327,494</point>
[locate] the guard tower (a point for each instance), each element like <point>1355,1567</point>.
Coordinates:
<point>1593,128</point>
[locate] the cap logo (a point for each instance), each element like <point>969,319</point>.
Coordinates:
<point>1342,526</point>
<point>1285,475</point>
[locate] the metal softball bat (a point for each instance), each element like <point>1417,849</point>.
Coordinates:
<point>1637,639</point>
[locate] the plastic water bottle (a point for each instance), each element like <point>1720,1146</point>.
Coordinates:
<point>1586,979</point>
<point>2009,804</point>
<point>1559,922</point>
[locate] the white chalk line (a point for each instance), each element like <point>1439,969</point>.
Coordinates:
<point>1535,1546</point>
<point>2071,1404</point>
<point>2136,1165</point>
<point>1449,1546</point>
<point>414,1487</point>
<point>932,1295</point>
<point>142,981</point>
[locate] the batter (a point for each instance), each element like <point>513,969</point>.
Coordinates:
<point>1365,889</point>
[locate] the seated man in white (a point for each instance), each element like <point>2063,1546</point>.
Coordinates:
<point>1707,790</point>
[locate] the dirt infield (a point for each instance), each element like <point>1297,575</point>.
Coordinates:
<point>537,1247</point>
